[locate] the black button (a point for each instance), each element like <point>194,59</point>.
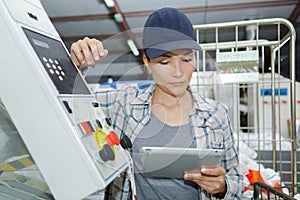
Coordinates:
<point>125,142</point>
<point>108,121</point>
<point>95,104</point>
<point>99,123</point>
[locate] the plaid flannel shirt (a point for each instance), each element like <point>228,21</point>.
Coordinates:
<point>130,111</point>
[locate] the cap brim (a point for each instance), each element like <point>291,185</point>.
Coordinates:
<point>162,48</point>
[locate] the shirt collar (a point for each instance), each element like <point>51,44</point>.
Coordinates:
<point>202,104</point>
<point>145,97</point>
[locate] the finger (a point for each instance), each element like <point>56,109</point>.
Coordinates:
<point>200,177</point>
<point>105,53</point>
<point>75,60</point>
<point>208,179</point>
<point>218,171</point>
<point>102,52</point>
<point>78,49</point>
<point>94,46</point>
<point>96,49</point>
<point>100,49</point>
<point>77,55</point>
<point>192,176</point>
<point>86,51</point>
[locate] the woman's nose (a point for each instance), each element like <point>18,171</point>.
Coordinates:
<point>177,71</point>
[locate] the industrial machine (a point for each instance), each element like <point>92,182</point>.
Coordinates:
<point>67,134</point>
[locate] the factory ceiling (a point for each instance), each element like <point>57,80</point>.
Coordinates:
<point>115,21</point>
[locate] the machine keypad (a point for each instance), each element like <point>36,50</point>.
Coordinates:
<point>54,68</point>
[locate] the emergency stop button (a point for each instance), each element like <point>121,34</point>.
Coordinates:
<point>112,139</point>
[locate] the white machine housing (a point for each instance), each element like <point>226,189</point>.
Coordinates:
<point>51,104</point>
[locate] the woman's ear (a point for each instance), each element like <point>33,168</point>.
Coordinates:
<point>146,63</point>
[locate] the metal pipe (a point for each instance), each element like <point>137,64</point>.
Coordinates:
<point>245,23</point>
<point>258,187</point>
<point>273,112</point>
<point>293,108</point>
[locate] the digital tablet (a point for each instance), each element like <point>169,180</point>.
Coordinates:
<point>167,162</point>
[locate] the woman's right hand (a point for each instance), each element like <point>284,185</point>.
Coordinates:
<point>87,52</point>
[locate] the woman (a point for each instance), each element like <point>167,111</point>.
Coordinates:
<point>168,113</point>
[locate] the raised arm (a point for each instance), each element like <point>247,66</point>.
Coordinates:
<point>87,52</point>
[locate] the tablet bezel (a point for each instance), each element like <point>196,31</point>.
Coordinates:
<point>168,162</point>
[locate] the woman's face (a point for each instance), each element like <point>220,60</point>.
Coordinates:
<point>172,71</point>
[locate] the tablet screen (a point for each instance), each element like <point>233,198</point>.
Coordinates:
<point>173,162</point>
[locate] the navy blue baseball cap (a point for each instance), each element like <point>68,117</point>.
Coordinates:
<point>168,29</point>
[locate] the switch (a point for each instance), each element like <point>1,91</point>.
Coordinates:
<point>108,121</point>
<point>67,107</point>
<point>95,104</point>
<point>99,124</point>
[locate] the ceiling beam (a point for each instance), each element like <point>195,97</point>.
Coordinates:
<point>295,14</point>
<point>293,19</point>
<point>78,37</point>
<point>123,22</point>
<point>81,17</point>
<point>120,19</point>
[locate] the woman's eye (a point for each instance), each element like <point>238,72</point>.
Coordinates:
<point>187,60</point>
<point>164,62</point>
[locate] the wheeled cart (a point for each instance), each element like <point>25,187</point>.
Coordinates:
<point>254,75</point>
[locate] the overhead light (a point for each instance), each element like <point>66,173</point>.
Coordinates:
<point>118,17</point>
<point>109,3</point>
<point>133,48</point>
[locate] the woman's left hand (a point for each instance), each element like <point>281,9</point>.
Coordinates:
<point>210,179</point>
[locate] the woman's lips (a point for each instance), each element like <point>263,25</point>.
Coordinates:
<point>177,83</point>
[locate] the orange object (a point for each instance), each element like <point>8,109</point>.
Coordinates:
<point>254,176</point>
<point>278,186</point>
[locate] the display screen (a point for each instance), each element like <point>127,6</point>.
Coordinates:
<point>57,63</point>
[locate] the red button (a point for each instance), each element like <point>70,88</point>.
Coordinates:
<point>112,139</point>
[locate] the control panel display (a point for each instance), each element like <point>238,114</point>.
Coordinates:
<point>57,63</point>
